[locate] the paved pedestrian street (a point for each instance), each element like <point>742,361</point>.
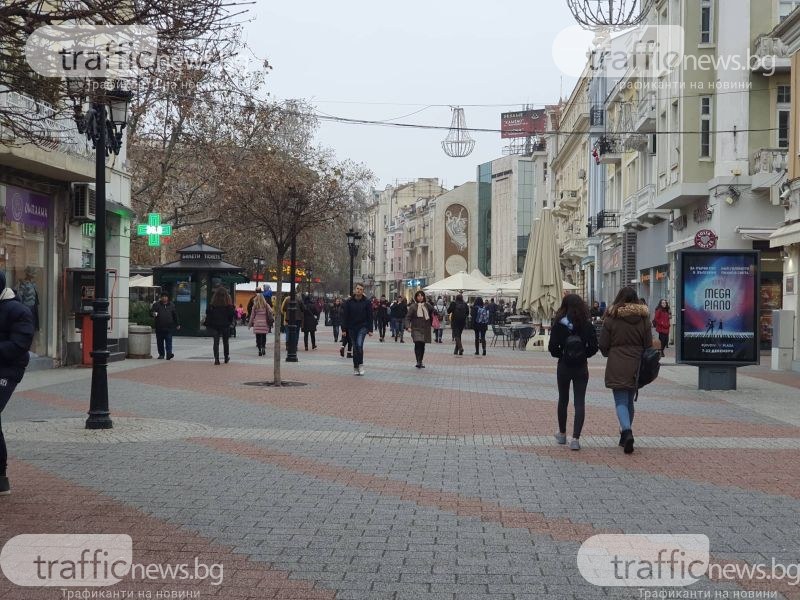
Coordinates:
<point>405,483</point>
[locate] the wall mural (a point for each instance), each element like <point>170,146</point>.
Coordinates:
<point>456,239</point>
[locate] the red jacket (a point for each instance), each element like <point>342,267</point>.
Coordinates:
<point>661,320</point>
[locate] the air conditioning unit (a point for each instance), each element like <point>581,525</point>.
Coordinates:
<point>581,173</point>
<point>84,203</point>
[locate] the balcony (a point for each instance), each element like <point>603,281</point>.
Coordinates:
<point>60,152</point>
<point>408,245</point>
<point>771,56</point>
<point>568,199</point>
<point>639,209</point>
<point>606,222</point>
<point>767,167</point>
<point>607,151</point>
<point>645,120</point>
<point>421,242</point>
<point>574,247</point>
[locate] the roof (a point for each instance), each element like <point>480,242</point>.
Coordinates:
<point>201,246</point>
<point>198,265</point>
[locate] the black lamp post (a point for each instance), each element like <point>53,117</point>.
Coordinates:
<point>103,124</point>
<point>309,274</point>
<point>353,239</point>
<point>292,333</point>
<point>258,264</point>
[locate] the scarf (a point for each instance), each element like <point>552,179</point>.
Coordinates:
<point>7,294</point>
<point>422,311</point>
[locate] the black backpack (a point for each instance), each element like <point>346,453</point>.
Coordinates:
<point>648,367</point>
<point>460,311</point>
<point>574,352</point>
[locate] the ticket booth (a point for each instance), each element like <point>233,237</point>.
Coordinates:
<point>191,280</point>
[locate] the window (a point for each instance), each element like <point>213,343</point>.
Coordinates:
<point>784,108</point>
<point>706,21</point>
<point>786,7</point>
<point>705,126</point>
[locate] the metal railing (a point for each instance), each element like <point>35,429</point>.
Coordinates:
<point>769,160</point>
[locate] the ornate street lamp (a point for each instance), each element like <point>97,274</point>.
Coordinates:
<point>103,124</point>
<point>258,264</point>
<point>353,240</point>
<point>609,14</point>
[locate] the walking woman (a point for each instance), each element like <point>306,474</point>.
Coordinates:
<point>572,341</point>
<point>626,333</point>
<point>310,316</point>
<point>480,323</point>
<point>261,320</point>
<point>458,311</point>
<point>661,323</point>
<point>441,313</point>
<point>418,322</point>
<point>219,317</point>
<point>382,317</point>
<point>335,317</point>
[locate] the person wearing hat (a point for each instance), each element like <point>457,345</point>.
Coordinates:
<point>166,321</point>
<point>16,337</point>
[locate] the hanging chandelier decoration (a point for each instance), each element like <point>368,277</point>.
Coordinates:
<point>609,14</point>
<point>458,142</point>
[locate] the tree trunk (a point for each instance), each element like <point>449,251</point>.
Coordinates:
<point>278,295</point>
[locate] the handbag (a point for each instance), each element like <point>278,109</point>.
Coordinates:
<point>435,321</point>
<point>649,366</point>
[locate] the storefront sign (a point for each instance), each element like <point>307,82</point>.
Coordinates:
<point>705,239</point>
<point>718,293</point>
<point>644,277</point>
<point>662,273</point>
<point>27,207</point>
<point>154,230</point>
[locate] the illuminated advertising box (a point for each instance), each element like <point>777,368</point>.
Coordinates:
<point>718,307</point>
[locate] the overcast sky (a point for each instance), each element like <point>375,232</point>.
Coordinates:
<point>379,60</point>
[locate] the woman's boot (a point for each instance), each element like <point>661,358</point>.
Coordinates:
<point>483,344</point>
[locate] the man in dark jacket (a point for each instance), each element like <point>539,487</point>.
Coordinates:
<point>397,313</point>
<point>357,320</point>
<point>458,312</point>
<point>16,337</point>
<point>166,321</point>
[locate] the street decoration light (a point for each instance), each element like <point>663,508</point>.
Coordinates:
<point>458,142</point>
<point>103,124</point>
<point>353,241</point>
<point>609,14</point>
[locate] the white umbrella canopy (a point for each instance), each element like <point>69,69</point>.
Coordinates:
<point>476,273</point>
<point>460,282</point>
<point>566,285</point>
<point>505,288</point>
<point>541,288</point>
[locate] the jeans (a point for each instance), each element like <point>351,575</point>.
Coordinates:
<point>437,335</point>
<point>335,333</point>
<point>419,351</point>
<point>164,340</point>
<point>579,378</point>
<point>358,345</point>
<point>397,328</point>
<point>224,334</point>
<point>480,337</point>
<point>624,401</point>
<point>6,389</point>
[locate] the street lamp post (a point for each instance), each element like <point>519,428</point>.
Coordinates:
<point>258,264</point>
<point>353,239</point>
<point>103,124</point>
<point>309,274</point>
<point>292,334</point>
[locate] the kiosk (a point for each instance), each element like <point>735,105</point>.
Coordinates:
<point>191,280</point>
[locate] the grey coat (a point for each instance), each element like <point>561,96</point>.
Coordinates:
<point>420,328</point>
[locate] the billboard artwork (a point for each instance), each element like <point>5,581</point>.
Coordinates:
<point>522,123</point>
<point>718,298</point>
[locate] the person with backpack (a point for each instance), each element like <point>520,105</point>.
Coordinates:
<point>661,323</point>
<point>440,312</point>
<point>480,323</point>
<point>165,321</point>
<point>625,336</point>
<point>261,320</point>
<point>16,337</point>
<point>573,341</point>
<point>458,311</point>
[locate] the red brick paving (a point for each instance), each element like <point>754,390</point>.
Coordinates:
<point>43,503</point>
<point>57,401</point>
<point>775,472</point>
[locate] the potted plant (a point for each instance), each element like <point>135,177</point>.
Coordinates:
<point>140,329</point>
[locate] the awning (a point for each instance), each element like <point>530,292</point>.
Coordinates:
<point>759,234</point>
<point>785,236</point>
<point>680,244</point>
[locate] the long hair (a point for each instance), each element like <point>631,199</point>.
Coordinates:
<point>626,295</point>
<point>666,308</point>
<point>574,308</point>
<point>221,297</point>
<point>478,302</point>
<point>420,293</point>
<point>260,303</point>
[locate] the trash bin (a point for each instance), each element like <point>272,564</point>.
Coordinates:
<point>139,341</point>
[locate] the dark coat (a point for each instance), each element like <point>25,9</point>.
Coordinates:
<point>458,311</point>
<point>335,315</point>
<point>398,310</point>
<point>220,317</point>
<point>16,337</point>
<point>166,317</point>
<point>310,316</point>
<point>560,332</point>
<point>623,338</point>
<point>357,314</point>
<point>382,313</point>
<point>420,328</point>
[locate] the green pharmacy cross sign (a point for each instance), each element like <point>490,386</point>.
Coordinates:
<point>154,230</point>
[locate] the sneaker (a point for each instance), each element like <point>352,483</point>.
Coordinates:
<point>356,371</point>
<point>574,444</point>
<point>561,438</point>
<point>341,351</point>
<point>361,370</point>
<point>5,487</point>
<point>170,356</point>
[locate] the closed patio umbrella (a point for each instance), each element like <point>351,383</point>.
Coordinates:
<point>541,288</point>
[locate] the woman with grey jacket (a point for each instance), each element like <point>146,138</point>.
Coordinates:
<point>418,322</point>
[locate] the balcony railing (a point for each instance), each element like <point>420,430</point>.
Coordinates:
<point>608,150</point>
<point>770,56</point>
<point>767,165</point>
<point>646,114</point>
<point>50,131</point>
<point>605,221</point>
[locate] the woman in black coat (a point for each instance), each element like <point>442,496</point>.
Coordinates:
<point>220,315</point>
<point>309,327</point>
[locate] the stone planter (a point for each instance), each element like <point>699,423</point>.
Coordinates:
<point>139,341</point>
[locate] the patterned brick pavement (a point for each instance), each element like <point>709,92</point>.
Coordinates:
<point>442,483</point>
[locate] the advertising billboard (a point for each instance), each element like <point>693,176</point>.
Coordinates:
<point>522,123</point>
<point>718,306</point>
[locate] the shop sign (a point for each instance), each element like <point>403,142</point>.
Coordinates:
<point>154,230</point>
<point>27,207</point>
<point>705,239</point>
<point>718,293</point>
<point>644,277</point>
<point>661,275</point>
